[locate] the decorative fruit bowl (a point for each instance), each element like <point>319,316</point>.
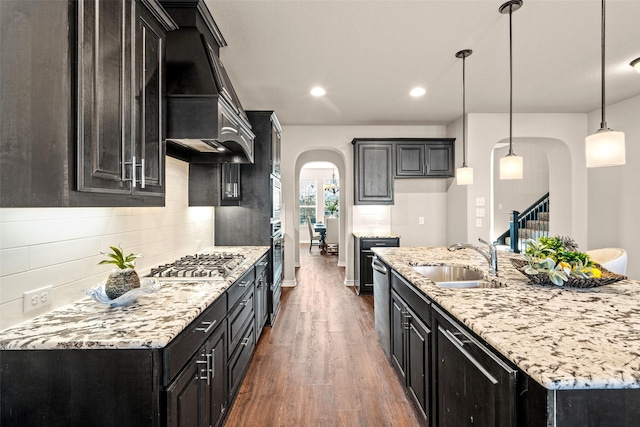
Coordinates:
<point>148,285</point>
<point>556,261</point>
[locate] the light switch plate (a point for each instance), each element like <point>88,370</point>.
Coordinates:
<point>479,212</point>
<point>478,222</point>
<point>479,201</point>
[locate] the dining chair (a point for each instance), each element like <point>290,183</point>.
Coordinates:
<point>333,235</point>
<point>314,238</point>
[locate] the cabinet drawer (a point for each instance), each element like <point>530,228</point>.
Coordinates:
<point>261,266</point>
<point>240,287</point>
<point>379,243</point>
<point>240,360</point>
<point>239,316</point>
<point>418,304</point>
<point>182,347</point>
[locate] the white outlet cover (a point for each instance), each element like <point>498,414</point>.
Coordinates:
<point>479,201</point>
<point>478,222</point>
<point>480,212</point>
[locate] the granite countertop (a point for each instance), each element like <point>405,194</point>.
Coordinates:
<point>564,338</point>
<point>374,235</point>
<point>151,322</point>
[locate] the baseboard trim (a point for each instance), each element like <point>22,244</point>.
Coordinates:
<point>349,282</point>
<point>289,283</point>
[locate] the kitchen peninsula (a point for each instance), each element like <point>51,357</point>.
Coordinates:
<point>572,355</point>
<point>172,356</point>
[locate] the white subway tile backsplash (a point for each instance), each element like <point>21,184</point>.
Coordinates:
<point>14,261</point>
<point>61,246</point>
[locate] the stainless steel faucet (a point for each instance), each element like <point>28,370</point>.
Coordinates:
<point>490,254</point>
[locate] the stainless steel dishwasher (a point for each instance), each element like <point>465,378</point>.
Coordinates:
<point>381,307</point>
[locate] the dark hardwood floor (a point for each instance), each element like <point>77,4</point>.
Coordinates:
<point>321,364</point>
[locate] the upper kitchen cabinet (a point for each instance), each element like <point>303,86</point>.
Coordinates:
<point>82,97</point>
<point>119,88</point>
<point>373,171</point>
<point>427,157</point>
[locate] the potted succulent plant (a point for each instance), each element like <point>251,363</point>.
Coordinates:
<point>123,278</point>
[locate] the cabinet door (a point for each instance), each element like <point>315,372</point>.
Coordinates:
<point>276,142</point>
<point>183,398</point>
<point>474,387</point>
<point>418,338</point>
<point>148,113</point>
<point>397,334</point>
<point>374,174</point>
<point>104,94</point>
<point>216,396</point>
<point>366,272</point>
<point>410,160</point>
<point>439,160</point>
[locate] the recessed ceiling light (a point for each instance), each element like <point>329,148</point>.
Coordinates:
<point>636,64</point>
<point>417,91</point>
<point>318,91</point>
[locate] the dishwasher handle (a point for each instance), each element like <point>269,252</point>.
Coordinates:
<point>376,265</point>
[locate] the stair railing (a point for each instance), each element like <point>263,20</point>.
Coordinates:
<point>527,219</point>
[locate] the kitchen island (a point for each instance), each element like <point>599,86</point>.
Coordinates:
<point>173,357</point>
<point>579,349</point>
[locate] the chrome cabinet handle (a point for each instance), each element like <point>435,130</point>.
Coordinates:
<point>243,284</point>
<point>245,341</point>
<point>244,302</point>
<point>209,326</point>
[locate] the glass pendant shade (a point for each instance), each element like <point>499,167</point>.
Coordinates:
<point>464,175</point>
<point>605,148</point>
<point>636,64</point>
<point>511,167</point>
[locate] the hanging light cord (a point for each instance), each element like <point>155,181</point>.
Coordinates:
<point>511,84</point>
<point>464,117</point>
<point>603,124</point>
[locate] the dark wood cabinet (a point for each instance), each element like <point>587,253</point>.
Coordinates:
<point>424,158</point>
<point>262,298</point>
<point>119,89</point>
<point>411,344</point>
<point>198,397</point>
<point>363,256</point>
<point>474,386</point>
<point>255,219</point>
<point>78,122</point>
<point>230,188</point>
<point>373,169</point>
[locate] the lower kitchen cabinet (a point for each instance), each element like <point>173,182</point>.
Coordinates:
<point>261,298</point>
<point>190,382</point>
<point>363,274</point>
<point>411,345</point>
<point>198,397</point>
<point>474,386</point>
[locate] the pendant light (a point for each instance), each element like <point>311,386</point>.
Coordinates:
<point>636,64</point>
<point>464,175</point>
<point>511,164</point>
<point>606,146</point>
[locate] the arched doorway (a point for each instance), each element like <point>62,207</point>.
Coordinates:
<point>336,158</point>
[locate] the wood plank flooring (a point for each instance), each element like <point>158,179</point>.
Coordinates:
<point>321,364</point>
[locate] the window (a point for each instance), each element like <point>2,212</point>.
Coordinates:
<point>308,198</point>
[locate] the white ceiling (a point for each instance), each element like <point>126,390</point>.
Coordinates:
<point>368,54</point>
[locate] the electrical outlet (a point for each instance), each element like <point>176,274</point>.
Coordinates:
<point>198,244</point>
<point>37,298</point>
<point>479,222</point>
<point>421,220</point>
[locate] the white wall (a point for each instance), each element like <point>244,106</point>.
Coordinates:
<point>563,136</point>
<point>613,191</point>
<point>519,194</point>
<point>336,141</point>
<point>61,246</point>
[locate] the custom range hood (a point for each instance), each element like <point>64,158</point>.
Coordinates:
<point>205,120</point>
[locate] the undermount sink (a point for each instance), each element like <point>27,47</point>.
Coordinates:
<point>454,277</point>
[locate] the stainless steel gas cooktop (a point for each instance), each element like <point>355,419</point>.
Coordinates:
<point>199,266</point>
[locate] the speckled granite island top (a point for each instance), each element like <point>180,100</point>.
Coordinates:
<point>564,338</point>
<point>151,322</point>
